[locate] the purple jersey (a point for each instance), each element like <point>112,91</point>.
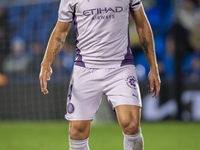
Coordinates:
<point>102,30</point>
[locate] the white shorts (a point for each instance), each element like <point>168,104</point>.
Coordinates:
<point>87,86</point>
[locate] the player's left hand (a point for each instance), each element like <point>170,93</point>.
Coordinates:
<point>155,82</point>
<point>45,74</point>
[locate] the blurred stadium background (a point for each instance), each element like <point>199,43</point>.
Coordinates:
<point>25,26</point>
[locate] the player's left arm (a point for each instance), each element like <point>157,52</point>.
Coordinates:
<point>147,42</point>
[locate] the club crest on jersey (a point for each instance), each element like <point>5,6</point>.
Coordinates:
<point>70,108</point>
<point>131,82</point>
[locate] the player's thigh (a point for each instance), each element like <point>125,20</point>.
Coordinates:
<point>122,87</point>
<point>84,96</point>
<point>79,130</point>
<point>129,118</point>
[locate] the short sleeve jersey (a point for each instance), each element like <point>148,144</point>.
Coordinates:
<point>102,31</point>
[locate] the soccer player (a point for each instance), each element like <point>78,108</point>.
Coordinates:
<point>104,65</point>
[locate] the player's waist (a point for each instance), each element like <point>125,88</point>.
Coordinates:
<point>102,63</point>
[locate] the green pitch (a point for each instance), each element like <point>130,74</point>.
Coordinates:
<point>54,136</point>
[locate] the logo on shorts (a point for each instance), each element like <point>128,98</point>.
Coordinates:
<point>131,82</point>
<point>136,96</point>
<point>70,108</point>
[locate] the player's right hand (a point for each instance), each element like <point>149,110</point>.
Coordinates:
<point>45,75</point>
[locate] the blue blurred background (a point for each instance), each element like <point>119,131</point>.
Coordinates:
<point>25,27</point>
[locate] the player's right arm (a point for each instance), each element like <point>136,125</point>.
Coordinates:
<point>55,44</point>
